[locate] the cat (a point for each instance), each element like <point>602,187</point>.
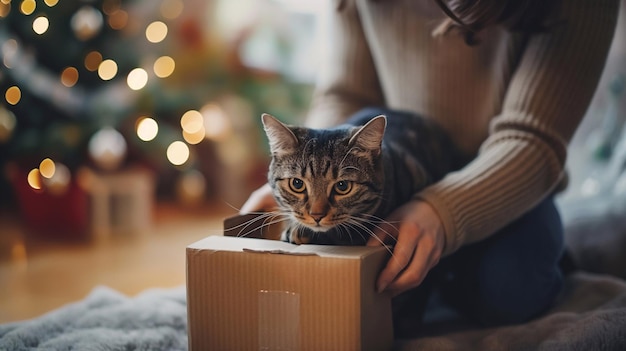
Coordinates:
<point>336,185</point>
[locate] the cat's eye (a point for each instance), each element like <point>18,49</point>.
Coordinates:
<point>343,187</point>
<point>297,185</point>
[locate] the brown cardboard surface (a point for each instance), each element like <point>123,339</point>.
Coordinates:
<point>257,294</point>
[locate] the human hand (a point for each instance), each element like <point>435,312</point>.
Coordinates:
<point>260,200</point>
<point>419,246</point>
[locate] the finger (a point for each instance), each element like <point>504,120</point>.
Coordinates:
<point>426,256</point>
<point>402,254</point>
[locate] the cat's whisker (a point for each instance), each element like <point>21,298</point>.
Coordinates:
<point>269,221</point>
<point>377,225</point>
<point>346,155</point>
<point>360,225</point>
<point>250,212</point>
<point>232,206</point>
<point>372,234</point>
<point>249,222</point>
<point>377,218</point>
<point>367,230</point>
<point>268,218</point>
<point>349,234</point>
<point>342,229</point>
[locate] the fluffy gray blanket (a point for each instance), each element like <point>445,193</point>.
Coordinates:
<point>590,316</point>
<point>106,321</point>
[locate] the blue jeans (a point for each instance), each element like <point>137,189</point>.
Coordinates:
<point>510,277</point>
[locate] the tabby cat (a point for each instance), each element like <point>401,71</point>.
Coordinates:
<point>335,185</point>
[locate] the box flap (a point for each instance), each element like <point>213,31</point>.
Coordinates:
<point>229,243</point>
<point>355,252</point>
<point>237,244</point>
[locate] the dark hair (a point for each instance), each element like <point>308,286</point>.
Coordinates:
<point>471,16</point>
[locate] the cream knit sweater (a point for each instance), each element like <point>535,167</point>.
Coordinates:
<point>513,101</point>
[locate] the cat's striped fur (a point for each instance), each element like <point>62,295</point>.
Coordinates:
<point>336,184</point>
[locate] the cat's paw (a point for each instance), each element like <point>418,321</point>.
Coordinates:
<point>294,236</point>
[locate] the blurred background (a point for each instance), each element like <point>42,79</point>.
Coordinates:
<point>102,98</point>
<point>130,128</point>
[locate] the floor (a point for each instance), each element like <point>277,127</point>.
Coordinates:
<point>38,274</point>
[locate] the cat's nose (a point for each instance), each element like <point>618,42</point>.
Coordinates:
<point>317,217</point>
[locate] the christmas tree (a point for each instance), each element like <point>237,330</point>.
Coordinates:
<point>109,83</point>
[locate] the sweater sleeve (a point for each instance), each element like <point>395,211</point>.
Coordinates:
<point>347,79</point>
<point>522,160</point>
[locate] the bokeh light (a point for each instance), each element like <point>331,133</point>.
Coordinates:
<point>156,32</point>
<point>216,122</point>
<point>93,61</point>
<point>7,124</point>
<point>40,25</point>
<point>137,79</point>
<point>86,22</point>
<point>28,7</point>
<point>171,9</point>
<point>107,148</point>
<point>69,77</point>
<point>5,8</point>
<point>51,3</point>
<point>9,49</point>
<point>13,95</point>
<point>34,179</point>
<point>191,187</point>
<point>59,183</point>
<point>107,69</point>
<point>118,19</point>
<point>178,153</point>
<point>195,137</point>
<point>111,6</point>
<point>164,66</point>
<point>47,168</point>
<point>147,129</point>
<point>192,121</point>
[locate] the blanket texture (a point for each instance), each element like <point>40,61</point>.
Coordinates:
<point>591,315</point>
<point>106,321</point>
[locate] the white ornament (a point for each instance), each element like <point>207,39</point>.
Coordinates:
<point>87,22</point>
<point>107,149</point>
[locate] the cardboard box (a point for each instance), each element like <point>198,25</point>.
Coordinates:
<point>258,294</point>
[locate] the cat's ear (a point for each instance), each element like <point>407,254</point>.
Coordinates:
<point>370,136</point>
<point>281,138</point>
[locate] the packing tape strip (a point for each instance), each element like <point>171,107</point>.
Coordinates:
<point>279,320</point>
